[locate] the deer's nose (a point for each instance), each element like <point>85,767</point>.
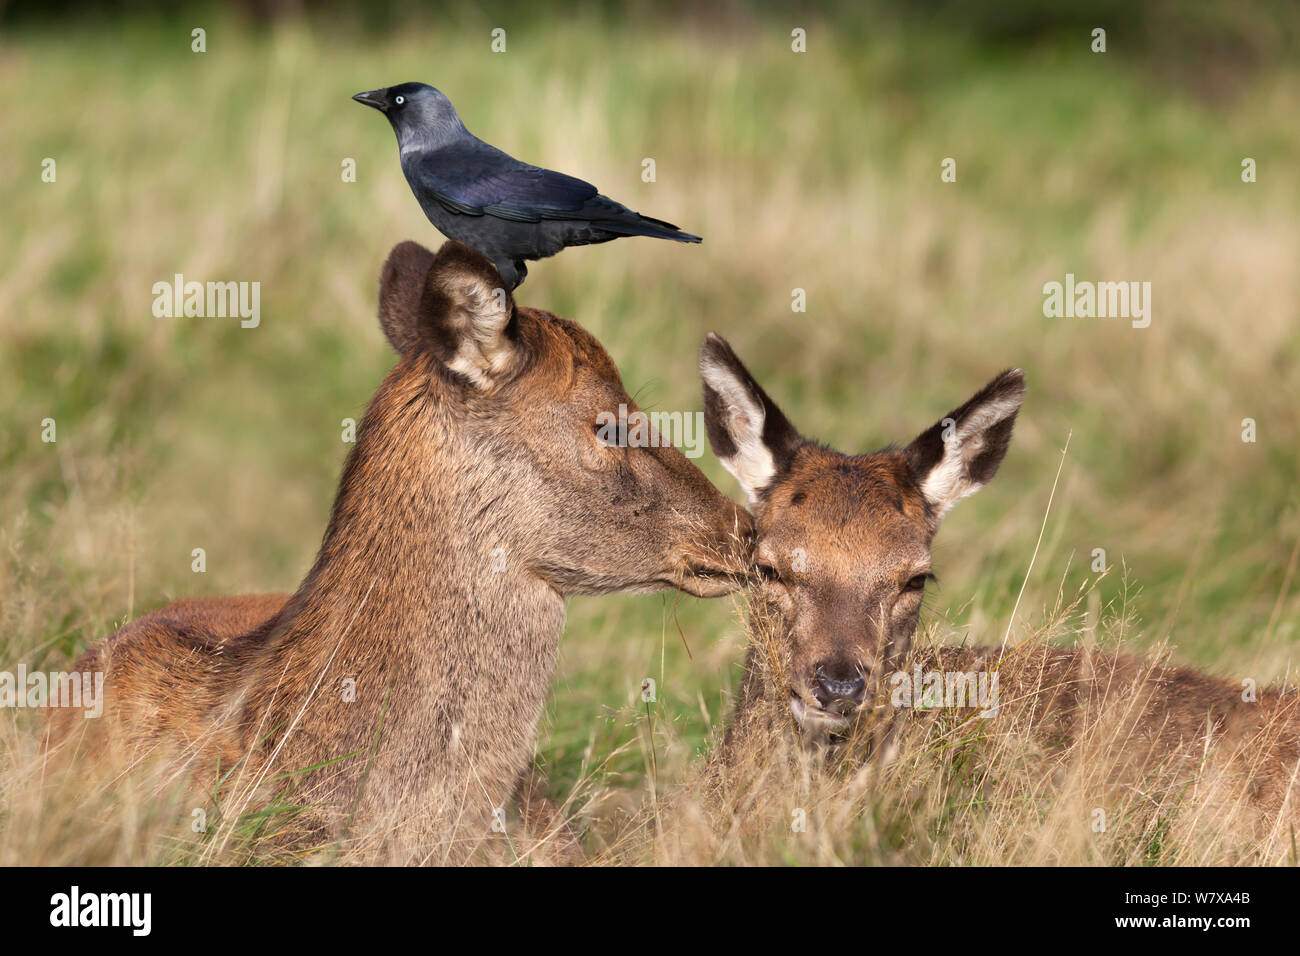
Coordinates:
<point>839,693</point>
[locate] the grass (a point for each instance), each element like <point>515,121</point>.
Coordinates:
<point>817,171</point>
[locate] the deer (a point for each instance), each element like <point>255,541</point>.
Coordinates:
<point>400,687</point>
<point>842,558</point>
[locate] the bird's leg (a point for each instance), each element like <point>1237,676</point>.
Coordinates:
<point>512,272</point>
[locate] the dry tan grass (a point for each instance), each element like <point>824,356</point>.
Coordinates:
<point>972,792</point>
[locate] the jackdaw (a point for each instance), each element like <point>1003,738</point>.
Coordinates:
<point>507,210</point>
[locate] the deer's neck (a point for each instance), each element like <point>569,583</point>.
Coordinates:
<point>416,620</point>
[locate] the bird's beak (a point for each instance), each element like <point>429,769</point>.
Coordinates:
<point>374,98</point>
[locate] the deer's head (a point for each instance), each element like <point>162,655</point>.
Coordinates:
<point>496,409</point>
<point>843,541</point>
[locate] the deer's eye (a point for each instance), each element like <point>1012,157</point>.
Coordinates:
<point>917,583</point>
<point>767,572</point>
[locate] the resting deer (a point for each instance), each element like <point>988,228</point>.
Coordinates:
<point>842,553</point>
<point>417,652</point>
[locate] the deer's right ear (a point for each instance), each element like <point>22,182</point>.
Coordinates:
<point>457,307</point>
<point>401,287</point>
<point>751,436</point>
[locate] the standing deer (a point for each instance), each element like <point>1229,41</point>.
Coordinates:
<point>402,683</point>
<point>842,553</point>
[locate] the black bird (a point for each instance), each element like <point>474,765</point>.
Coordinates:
<point>507,210</point>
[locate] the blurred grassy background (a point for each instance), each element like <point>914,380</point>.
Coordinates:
<point>817,171</point>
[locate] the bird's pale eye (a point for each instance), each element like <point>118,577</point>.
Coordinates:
<point>400,100</point>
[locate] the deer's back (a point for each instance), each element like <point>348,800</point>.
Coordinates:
<point>1145,722</point>
<point>167,675</point>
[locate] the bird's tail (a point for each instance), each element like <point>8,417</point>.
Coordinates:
<point>645,226</point>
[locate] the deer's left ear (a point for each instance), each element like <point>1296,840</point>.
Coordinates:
<point>960,453</point>
<point>452,304</point>
<point>468,315</point>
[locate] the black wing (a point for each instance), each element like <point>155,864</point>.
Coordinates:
<point>476,179</point>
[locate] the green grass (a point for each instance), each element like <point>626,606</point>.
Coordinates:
<point>818,171</point>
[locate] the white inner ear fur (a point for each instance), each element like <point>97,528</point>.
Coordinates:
<point>949,481</point>
<point>752,465</point>
<point>481,314</point>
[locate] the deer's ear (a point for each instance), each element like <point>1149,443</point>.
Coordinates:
<point>751,436</point>
<point>458,308</point>
<point>960,453</point>
<point>401,286</point>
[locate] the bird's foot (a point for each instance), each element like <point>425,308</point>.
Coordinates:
<point>512,272</point>
<point>521,272</point>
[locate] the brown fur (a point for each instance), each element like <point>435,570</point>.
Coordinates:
<point>843,543</point>
<point>477,496</point>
